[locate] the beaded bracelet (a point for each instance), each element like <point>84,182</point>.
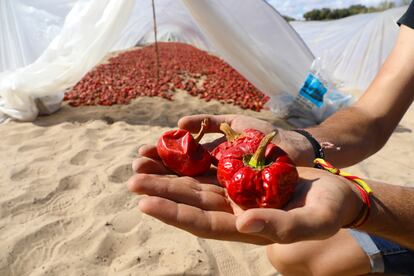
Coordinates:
<point>362,187</point>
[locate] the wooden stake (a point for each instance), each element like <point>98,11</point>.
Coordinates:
<point>157,54</point>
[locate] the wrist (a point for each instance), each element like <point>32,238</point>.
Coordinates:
<point>374,223</point>
<point>352,197</point>
<point>297,146</point>
<point>355,206</point>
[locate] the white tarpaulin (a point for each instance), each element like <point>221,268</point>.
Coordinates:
<point>276,62</point>
<point>27,28</point>
<point>250,35</point>
<point>353,48</point>
<point>84,39</point>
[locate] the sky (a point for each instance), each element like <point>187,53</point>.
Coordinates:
<point>296,8</point>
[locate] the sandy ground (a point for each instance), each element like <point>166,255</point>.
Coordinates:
<point>65,208</point>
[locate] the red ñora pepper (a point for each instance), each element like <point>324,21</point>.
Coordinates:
<point>255,181</point>
<point>182,153</point>
<point>248,140</point>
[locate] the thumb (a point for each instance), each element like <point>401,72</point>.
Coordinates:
<point>192,123</point>
<point>287,226</point>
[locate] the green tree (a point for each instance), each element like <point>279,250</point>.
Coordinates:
<point>330,14</point>
<point>313,15</point>
<point>288,18</point>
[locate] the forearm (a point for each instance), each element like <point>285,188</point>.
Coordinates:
<point>352,132</point>
<point>392,213</point>
<point>364,128</point>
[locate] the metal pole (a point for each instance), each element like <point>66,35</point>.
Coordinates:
<point>157,54</point>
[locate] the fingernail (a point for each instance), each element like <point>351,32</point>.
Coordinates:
<point>252,227</point>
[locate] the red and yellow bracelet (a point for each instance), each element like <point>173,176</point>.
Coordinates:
<point>361,185</point>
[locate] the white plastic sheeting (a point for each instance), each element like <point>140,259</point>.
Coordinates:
<point>174,24</point>
<point>250,35</point>
<point>256,41</point>
<point>89,32</point>
<point>353,48</point>
<point>27,28</point>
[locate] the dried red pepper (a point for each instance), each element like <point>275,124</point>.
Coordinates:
<point>252,180</point>
<point>131,74</point>
<point>182,153</point>
<point>249,140</point>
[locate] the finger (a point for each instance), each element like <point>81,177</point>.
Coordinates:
<point>149,166</point>
<point>205,224</point>
<point>192,123</point>
<point>288,226</point>
<point>149,151</point>
<point>181,189</point>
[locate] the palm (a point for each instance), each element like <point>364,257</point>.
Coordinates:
<point>200,206</point>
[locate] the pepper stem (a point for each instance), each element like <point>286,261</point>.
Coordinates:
<point>258,158</point>
<point>204,126</point>
<point>230,133</point>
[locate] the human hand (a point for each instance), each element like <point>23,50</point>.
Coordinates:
<point>149,155</point>
<point>201,207</point>
<point>322,203</point>
<point>294,144</point>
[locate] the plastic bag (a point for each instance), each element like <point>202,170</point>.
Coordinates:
<point>318,98</point>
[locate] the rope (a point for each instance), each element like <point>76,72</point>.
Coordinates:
<point>328,167</point>
<point>362,186</point>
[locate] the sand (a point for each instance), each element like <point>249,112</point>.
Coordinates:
<point>65,208</point>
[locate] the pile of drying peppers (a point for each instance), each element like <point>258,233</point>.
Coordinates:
<point>255,172</point>
<point>131,74</point>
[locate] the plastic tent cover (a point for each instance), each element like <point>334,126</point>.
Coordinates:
<point>354,48</point>
<point>27,28</point>
<point>265,49</point>
<point>86,35</point>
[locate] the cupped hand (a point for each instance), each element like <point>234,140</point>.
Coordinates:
<point>322,203</point>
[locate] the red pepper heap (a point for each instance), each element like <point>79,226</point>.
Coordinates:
<point>182,153</point>
<point>252,180</point>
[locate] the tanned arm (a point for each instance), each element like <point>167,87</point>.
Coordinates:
<point>389,218</point>
<point>363,129</point>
